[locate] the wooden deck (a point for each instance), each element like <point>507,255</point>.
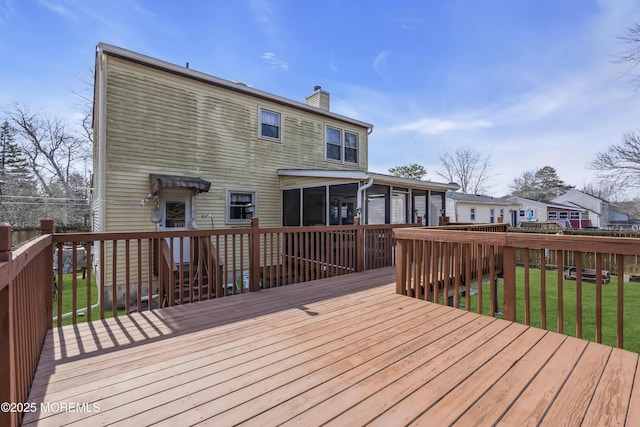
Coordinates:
<point>341,351</point>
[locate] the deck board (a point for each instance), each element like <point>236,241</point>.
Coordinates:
<point>339,351</point>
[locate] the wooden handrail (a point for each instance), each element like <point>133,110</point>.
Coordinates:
<point>567,251</point>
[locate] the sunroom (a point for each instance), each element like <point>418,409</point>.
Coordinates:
<point>322,197</point>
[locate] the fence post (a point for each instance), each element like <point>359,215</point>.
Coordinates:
<point>359,244</point>
<point>509,274</point>
<point>254,262</point>
<point>46,227</point>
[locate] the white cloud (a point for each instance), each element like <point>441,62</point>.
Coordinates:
<point>380,61</point>
<point>436,126</point>
<point>264,15</point>
<point>55,6</point>
<point>6,10</point>
<point>275,63</point>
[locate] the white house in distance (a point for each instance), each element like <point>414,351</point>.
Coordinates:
<point>569,216</point>
<point>476,208</point>
<point>601,213</point>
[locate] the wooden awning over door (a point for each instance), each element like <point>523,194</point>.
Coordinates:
<point>161,182</point>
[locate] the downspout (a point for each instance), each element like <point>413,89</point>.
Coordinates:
<point>361,191</point>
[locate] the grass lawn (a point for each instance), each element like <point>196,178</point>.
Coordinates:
<point>81,297</point>
<point>609,306</point>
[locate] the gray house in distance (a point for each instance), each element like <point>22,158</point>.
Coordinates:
<point>602,214</point>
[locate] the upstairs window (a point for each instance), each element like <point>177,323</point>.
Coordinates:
<point>350,147</point>
<point>270,124</point>
<point>341,145</point>
<point>334,146</point>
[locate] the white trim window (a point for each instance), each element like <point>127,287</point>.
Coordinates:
<point>270,125</point>
<point>241,206</point>
<point>574,215</point>
<point>341,145</point>
<point>552,215</point>
<point>472,214</point>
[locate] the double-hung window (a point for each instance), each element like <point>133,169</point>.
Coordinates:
<point>270,124</point>
<point>341,145</point>
<point>334,143</point>
<point>241,206</point>
<point>350,147</point>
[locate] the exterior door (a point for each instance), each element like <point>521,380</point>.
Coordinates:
<point>175,205</point>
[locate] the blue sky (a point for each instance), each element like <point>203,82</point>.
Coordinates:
<point>532,82</point>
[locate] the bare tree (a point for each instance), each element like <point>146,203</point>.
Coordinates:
<point>631,53</point>
<point>605,189</point>
<point>468,168</point>
<point>51,150</point>
<point>620,163</point>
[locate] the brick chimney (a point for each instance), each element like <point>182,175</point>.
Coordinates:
<point>319,98</point>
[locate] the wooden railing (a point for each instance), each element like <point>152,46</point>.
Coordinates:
<point>149,270</point>
<point>432,258</point>
<point>26,288</point>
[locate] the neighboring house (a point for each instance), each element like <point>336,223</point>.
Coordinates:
<point>602,213</point>
<point>565,215</point>
<point>176,148</point>
<point>476,208</point>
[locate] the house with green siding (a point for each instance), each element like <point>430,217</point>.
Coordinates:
<point>178,149</point>
<point>175,148</point>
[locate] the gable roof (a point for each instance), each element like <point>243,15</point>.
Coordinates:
<point>103,48</point>
<point>523,200</point>
<point>479,199</point>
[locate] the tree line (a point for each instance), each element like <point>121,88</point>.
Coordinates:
<point>44,169</point>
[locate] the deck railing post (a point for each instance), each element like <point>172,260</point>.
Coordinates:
<point>6,359</point>
<point>359,244</point>
<point>46,227</point>
<point>401,272</point>
<point>509,273</point>
<point>254,263</point>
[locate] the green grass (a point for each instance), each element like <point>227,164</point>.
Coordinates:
<point>81,300</point>
<point>609,307</point>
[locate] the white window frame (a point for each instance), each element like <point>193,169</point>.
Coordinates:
<point>254,203</point>
<point>343,145</point>
<point>472,214</point>
<point>574,215</point>
<point>492,215</point>
<point>260,123</point>
<point>552,215</point>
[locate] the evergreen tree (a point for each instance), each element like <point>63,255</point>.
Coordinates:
<point>539,184</point>
<point>18,188</point>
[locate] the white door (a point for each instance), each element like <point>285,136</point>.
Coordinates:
<point>177,215</point>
